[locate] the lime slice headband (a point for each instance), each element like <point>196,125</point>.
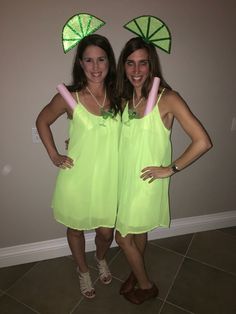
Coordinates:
<point>150,28</point>
<point>77,27</point>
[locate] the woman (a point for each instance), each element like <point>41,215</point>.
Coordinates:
<point>85,195</point>
<point>145,159</point>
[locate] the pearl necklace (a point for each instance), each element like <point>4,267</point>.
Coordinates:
<point>97,102</point>
<point>138,103</point>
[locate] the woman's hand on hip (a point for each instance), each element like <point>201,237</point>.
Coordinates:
<point>62,161</point>
<point>154,173</point>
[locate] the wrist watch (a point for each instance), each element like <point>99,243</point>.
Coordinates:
<point>175,168</point>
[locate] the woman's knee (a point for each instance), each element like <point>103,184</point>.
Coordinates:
<point>106,234</point>
<point>121,241</point>
<point>75,233</point>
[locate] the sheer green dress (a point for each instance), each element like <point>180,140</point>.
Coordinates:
<point>142,206</point>
<point>85,196</point>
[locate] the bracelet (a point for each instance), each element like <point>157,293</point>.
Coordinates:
<point>175,168</point>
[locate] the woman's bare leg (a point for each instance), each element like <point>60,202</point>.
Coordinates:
<point>134,248</point>
<point>76,243</point>
<point>103,240</point>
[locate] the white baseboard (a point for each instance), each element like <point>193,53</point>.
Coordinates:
<point>38,251</point>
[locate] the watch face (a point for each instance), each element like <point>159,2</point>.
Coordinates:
<point>174,168</point>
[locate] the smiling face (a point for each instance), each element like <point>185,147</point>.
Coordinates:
<point>95,64</point>
<point>137,67</point>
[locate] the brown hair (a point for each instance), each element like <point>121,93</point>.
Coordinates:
<point>79,78</point>
<point>124,87</point>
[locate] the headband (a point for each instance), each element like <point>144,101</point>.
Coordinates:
<point>152,30</point>
<point>77,27</point>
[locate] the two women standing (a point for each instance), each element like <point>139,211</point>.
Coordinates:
<point>92,193</point>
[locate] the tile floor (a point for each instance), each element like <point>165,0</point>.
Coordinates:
<point>196,273</point>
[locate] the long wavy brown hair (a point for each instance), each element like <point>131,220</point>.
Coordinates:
<point>79,78</point>
<point>123,86</point>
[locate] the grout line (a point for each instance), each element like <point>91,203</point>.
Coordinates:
<point>166,249</point>
<point>114,257</point>
<point>22,277</point>
<point>179,307</point>
<point>190,243</point>
<point>172,283</point>
<point>76,305</point>
<point>176,274</point>
<point>118,279</point>
<point>20,302</point>
<point>204,263</point>
<point>211,266</point>
<point>228,233</point>
<point>192,258</point>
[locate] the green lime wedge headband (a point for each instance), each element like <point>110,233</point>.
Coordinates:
<point>150,28</point>
<point>77,27</point>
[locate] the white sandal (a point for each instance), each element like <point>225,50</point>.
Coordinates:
<point>104,272</point>
<point>86,286</point>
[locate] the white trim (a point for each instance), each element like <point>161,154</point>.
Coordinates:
<point>38,251</point>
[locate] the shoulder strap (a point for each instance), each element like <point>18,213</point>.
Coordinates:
<point>159,97</point>
<point>77,96</point>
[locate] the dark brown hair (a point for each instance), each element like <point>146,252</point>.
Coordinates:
<point>79,79</point>
<point>124,87</point>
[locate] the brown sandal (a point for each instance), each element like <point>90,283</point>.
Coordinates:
<point>138,296</point>
<point>129,284</point>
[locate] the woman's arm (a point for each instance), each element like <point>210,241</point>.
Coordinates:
<point>176,107</point>
<point>46,117</point>
<point>200,141</point>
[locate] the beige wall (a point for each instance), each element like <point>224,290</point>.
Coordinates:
<point>201,67</point>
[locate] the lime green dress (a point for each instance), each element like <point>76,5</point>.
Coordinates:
<point>85,196</point>
<point>142,206</point>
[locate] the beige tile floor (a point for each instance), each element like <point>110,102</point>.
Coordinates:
<point>196,273</point>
